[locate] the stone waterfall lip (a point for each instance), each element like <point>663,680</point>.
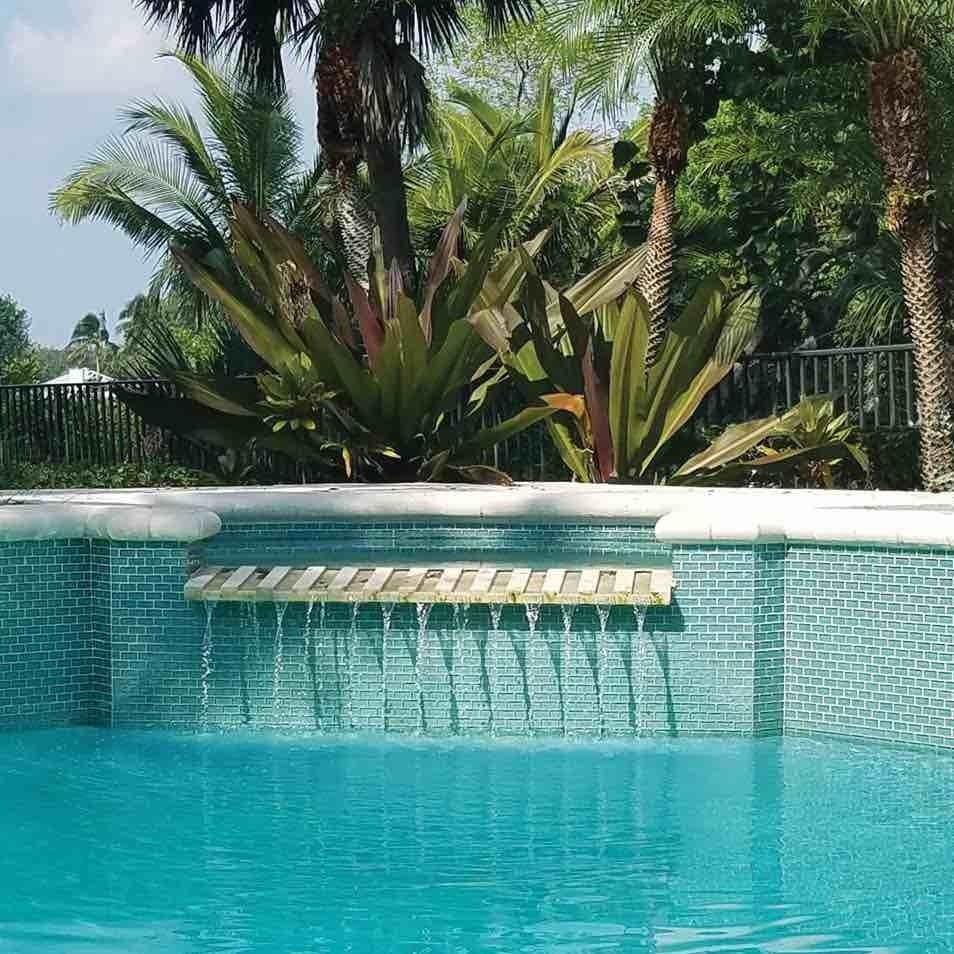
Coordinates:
<point>67,520</point>
<point>681,515</point>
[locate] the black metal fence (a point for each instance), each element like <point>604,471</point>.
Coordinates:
<point>874,385</point>
<point>86,424</point>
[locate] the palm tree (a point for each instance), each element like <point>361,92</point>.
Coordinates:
<point>893,36</point>
<point>164,181</point>
<point>370,86</point>
<point>90,341</point>
<point>617,43</point>
<point>527,169</point>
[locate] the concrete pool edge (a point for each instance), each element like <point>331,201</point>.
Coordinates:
<point>681,515</point>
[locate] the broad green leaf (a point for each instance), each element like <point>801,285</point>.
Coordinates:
<point>508,274</point>
<point>607,283</point>
<point>331,358</point>
<point>774,463</point>
<point>451,368</point>
<point>266,341</point>
<point>732,443</point>
<point>570,452</point>
<point>490,436</point>
<point>628,379</point>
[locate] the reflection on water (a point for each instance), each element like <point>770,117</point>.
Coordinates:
<point>140,842</point>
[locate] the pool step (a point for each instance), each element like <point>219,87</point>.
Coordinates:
<point>460,583</point>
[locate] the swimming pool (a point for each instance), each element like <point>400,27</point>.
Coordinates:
<point>141,842</point>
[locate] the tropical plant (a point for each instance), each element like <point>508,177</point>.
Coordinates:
<point>165,181</point>
<point>400,399</point>
<point>14,339</point>
<point>90,342</point>
<point>617,43</point>
<point>893,36</point>
<point>372,97</point>
<point>590,345</point>
<point>810,441</point>
<point>527,168</point>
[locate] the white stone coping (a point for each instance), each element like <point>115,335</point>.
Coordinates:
<point>681,515</point>
<point>72,521</point>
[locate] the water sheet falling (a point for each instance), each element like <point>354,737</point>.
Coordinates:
<point>423,614</point>
<point>310,667</point>
<point>533,615</point>
<point>566,654</point>
<point>352,668</point>
<point>638,671</point>
<point>387,612</point>
<point>496,612</point>
<point>602,650</point>
<point>205,663</point>
<point>280,610</point>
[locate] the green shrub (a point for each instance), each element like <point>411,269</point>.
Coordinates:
<point>56,476</point>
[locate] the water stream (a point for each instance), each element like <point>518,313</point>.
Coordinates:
<point>602,614</point>
<point>423,611</point>
<point>638,662</point>
<point>533,615</point>
<point>566,654</point>
<point>496,611</point>
<point>205,663</point>
<point>280,610</point>
<point>387,611</point>
<point>352,668</point>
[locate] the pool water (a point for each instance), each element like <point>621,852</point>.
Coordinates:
<point>158,842</point>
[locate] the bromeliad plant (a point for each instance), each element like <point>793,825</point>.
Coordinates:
<point>389,386</point>
<point>810,441</point>
<point>591,345</point>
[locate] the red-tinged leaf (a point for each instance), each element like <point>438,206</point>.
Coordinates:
<point>343,325</point>
<point>597,405</point>
<point>369,321</point>
<point>440,266</point>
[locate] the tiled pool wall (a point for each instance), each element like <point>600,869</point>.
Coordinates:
<point>759,640</point>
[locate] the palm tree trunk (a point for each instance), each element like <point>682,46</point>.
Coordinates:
<point>898,116</point>
<point>926,318</point>
<point>655,280</point>
<point>389,199</point>
<point>667,155</point>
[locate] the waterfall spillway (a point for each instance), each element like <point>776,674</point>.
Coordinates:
<point>481,665</point>
<point>205,664</point>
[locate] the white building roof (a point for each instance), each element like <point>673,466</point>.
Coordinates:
<point>79,376</point>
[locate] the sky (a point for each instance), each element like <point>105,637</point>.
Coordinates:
<point>67,67</point>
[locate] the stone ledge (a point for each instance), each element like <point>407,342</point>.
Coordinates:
<point>912,526</point>
<point>684,515</point>
<point>75,520</point>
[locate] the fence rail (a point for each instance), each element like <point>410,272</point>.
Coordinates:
<point>874,385</point>
<point>86,424</point>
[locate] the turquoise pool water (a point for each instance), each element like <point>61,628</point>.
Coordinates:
<point>157,842</point>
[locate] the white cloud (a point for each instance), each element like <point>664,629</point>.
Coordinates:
<point>104,46</point>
